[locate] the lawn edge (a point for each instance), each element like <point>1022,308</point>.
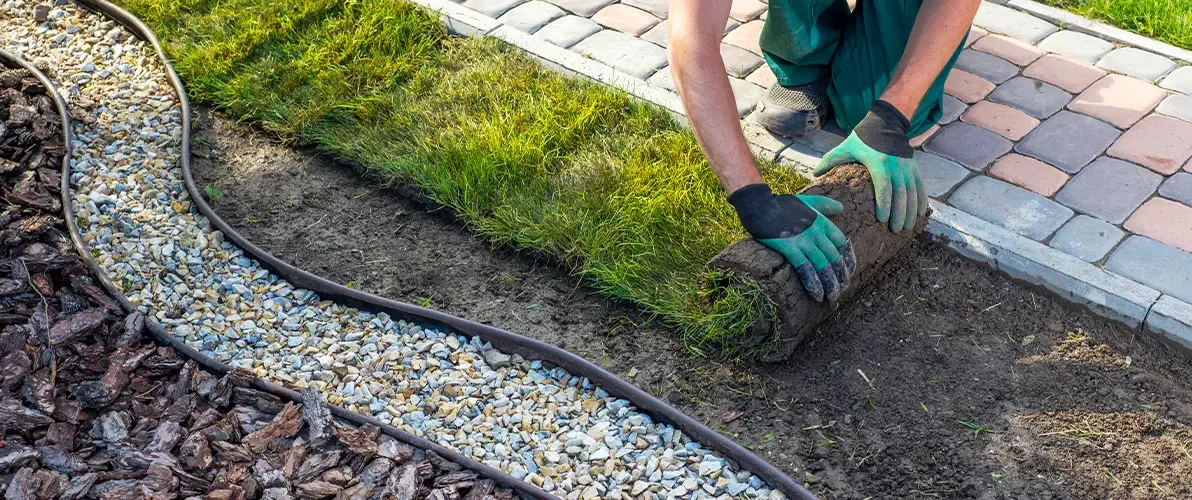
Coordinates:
<point>1076,22</point>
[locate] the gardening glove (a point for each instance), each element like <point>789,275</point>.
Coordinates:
<point>880,143</point>
<point>796,227</point>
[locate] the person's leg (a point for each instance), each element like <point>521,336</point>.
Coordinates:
<point>800,37</point>
<point>798,41</point>
<point>870,48</point>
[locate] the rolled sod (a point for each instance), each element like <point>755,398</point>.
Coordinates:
<point>797,315</point>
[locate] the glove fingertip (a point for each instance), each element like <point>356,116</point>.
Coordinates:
<point>811,282</point>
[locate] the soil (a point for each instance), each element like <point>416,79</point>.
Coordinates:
<point>942,379</point>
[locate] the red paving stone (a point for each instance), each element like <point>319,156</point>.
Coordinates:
<point>1011,123</point>
<point>763,76</point>
<point>1063,72</point>
<point>746,10</point>
<point>746,36</point>
<point>1164,220</point>
<point>626,19</point>
<point>1029,173</point>
<point>921,138</point>
<point>975,34</point>
<point>1160,143</point>
<point>1015,51</point>
<point>1119,100</point>
<point>966,86</point>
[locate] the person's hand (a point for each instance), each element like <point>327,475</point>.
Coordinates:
<point>880,143</point>
<point>796,227</point>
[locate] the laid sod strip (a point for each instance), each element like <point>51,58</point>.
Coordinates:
<point>612,187</point>
<point>1164,20</point>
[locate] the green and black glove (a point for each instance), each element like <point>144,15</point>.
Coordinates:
<point>880,142</point>
<point>796,227</point>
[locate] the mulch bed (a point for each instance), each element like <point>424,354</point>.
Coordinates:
<point>91,408</point>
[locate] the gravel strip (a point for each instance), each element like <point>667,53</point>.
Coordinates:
<point>537,423</point>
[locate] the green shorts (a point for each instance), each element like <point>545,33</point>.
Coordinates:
<point>807,40</point>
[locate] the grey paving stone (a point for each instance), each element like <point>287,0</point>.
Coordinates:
<point>492,8</point>
<point>585,8</point>
<point>953,108</point>
<point>968,145</point>
<point>1178,187</point>
<point>1172,318</point>
<point>1013,23</point>
<point>939,173</point>
<point>1176,106</point>
<point>1068,141</point>
<point>663,78</point>
<point>1036,98</point>
<point>659,34</point>
<point>626,53</point>
<point>531,16</point>
<point>737,61</point>
<point>987,66</point>
<point>746,94</point>
<point>1160,266</point>
<point>1010,206</point>
<point>1109,189</point>
<point>567,31</point>
<point>657,7</point>
<point>1079,46</point>
<point>1087,238</point>
<point>1179,80</point>
<point>1137,63</point>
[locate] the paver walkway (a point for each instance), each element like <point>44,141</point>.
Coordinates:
<point>1056,135</point>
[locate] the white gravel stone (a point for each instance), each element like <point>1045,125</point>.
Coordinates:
<point>518,415</point>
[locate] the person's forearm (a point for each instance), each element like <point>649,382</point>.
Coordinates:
<point>939,28</point>
<point>698,70</point>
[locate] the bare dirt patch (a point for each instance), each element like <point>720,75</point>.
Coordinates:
<point>942,380</point>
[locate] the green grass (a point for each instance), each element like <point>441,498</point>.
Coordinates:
<point>613,188</point>
<point>1165,20</point>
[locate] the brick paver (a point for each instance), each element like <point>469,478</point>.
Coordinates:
<point>953,108</point>
<point>1155,264</point>
<point>1178,187</point>
<point>1068,74</point>
<point>939,174</point>
<point>968,145</point>
<point>659,8</point>
<point>745,94</point>
<point>737,61</point>
<point>659,34</point>
<point>1118,99</point>
<point>1160,143</point>
<point>1137,63</point>
<point>585,8</point>
<point>531,16</point>
<point>1068,141</point>
<point>746,10</point>
<point>1006,121</point>
<point>763,76</point>
<point>920,139</point>
<point>1164,220</point>
<point>1010,22</point>
<point>1109,189</point>
<point>1178,106</point>
<point>1078,46</point>
<point>987,66</point>
<point>1179,80</point>
<point>1036,98</point>
<point>1087,238</point>
<point>1010,206</point>
<point>974,35</point>
<point>1029,173</point>
<point>1010,49</point>
<point>626,53</point>
<point>567,31</point>
<point>626,19</point>
<point>746,36</point>
<point>492,8</point>
<point>966,86</point>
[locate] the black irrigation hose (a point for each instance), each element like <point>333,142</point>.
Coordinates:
<point>501,339</point>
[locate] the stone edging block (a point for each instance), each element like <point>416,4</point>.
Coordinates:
<point>1019,257</point>
<point>1172,318</point>
<point>1082,24</point>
